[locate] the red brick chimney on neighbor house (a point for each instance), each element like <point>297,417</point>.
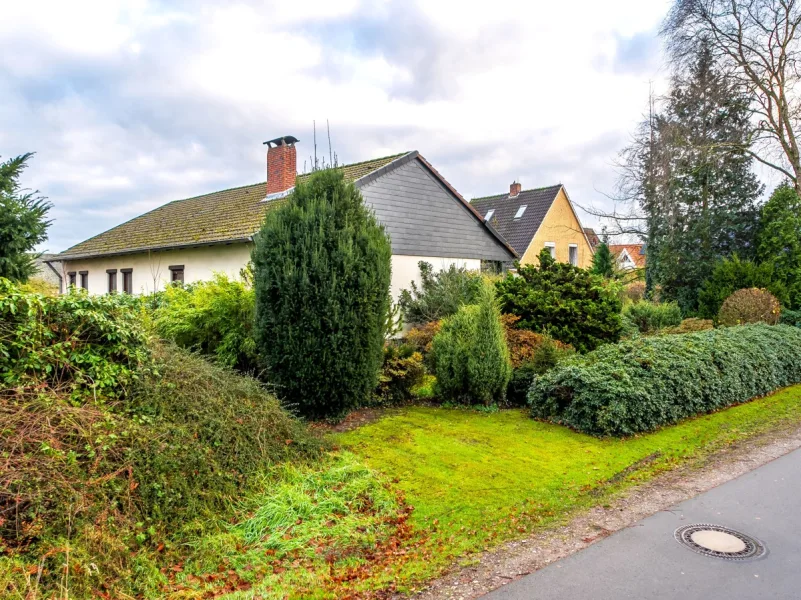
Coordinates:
<point>514,189</point>
<point>282,164</point>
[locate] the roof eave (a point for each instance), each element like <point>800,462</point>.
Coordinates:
<point>222,242</point>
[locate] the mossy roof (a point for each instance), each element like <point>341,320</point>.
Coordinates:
<point>220,217</point>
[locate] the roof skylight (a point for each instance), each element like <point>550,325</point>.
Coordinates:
<point>489,214</point>
<point>521,211</point>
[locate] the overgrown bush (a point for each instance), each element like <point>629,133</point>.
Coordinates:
<point>402,370</point>
<point>471,359</point>
<point>547,354</point>
<point>650,317</point>
<point>212,317</point>
<point>750,305</point>
<point>75,343</point>
<point>441,293</point>
<point>733,274</point>
<point>640,385</point>
<point>322,273</point>
<point>570,304</point>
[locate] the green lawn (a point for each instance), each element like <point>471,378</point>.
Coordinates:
<point>475,479</point>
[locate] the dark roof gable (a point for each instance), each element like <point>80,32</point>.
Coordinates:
<point>518,232</point>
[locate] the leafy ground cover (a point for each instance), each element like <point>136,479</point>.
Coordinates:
<point>477,479</point>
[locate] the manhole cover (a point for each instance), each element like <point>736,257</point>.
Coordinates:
<point>718,541</point>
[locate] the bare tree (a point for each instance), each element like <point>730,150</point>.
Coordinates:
<point>757,42</point>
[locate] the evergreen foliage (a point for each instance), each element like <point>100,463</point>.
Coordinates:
<point>470,354</point>
<point>732,274</point>
<point>603,263</point>
<point>23,222</point>
<point>322,274</point>
<point>779,240</point>
<point>650,317</point>
<point>572,305</point>
<point>640,385</point>
<point>440,294</point>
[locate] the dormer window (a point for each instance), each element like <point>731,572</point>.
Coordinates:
<point>521,211</point>
<point>489,214</point>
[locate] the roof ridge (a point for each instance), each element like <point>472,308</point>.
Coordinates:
<point>536,189</point>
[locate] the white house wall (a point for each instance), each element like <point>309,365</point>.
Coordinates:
<point>200,264</point>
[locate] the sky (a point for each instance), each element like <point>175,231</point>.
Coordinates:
<point>131,104</point>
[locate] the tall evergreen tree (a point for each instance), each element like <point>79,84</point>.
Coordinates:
<point>23,222</point>
<point>603,263</point>
<point>700,191</point>
<point>779,239</point>
<point>321,273</point>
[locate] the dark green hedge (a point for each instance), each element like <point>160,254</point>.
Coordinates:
<point>640,385</point>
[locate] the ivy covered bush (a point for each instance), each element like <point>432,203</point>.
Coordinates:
<point>640,385</point>
<point>570,304</point>
<point>441,293</point>
<point>213,317</point>
<point>471,359</point>
<point>650,317</point>
<point>322,271</point>
<point>751,305</point>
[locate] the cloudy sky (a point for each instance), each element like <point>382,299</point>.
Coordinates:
<point>130,104</point>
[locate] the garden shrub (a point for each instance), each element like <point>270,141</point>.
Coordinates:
<point>790,317</point>
<point>471,359</point>
<point>750,305</point>
<point>732,274</point>
<point>420,338</point>
<point>75,343</point>
<point>547,354</point>
<point>650,317</point>
<point>322,273</point>
<point>524,343</point>
<point>441,293</point>
<point>690,325</point>
<point>212,317</point>
<point>640,385</point>
<point>403,370</point>
<point>570,304</point>
<point>634,292</point>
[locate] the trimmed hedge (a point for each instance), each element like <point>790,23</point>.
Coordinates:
<point>640,385</point>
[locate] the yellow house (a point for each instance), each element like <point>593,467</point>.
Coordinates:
<point>531,220</point>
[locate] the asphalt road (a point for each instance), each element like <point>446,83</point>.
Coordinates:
<point>646,562</point>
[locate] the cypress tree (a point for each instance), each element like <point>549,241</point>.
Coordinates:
<point>603,263</point>
<point>322,274</point>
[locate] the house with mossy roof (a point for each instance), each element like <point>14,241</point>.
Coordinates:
<point>531,220</point>
<point>191,239</point>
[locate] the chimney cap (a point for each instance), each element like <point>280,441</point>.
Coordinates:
<point>283,140</point>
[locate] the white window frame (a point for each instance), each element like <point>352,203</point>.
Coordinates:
<point>489,215</point>
<point>552,247</point>
<point>520,212</point>
<point>571,254</point>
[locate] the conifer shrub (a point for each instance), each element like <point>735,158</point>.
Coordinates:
<point>440,294</point>
<point>751,305</point>
<point>402,371</point>
<point>322,272</point>
<point>471,359</point>
<point>732,274</point>
<point>650,317</point>
<point>690,325</point>
<point>546,355</point>
<point>570,304</point>
<point>640,385</point>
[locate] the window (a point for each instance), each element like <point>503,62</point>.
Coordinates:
<point>573,254</point>
<point>489,214</point>
<point>112,280</point>
<point>84,279</point>
<point>552,247</point>
<point>127,280</point>
<point>177,273</point>
<point>521,211</point>
<point>72,281</point>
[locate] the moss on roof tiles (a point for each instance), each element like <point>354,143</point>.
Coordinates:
<point>229,215</point>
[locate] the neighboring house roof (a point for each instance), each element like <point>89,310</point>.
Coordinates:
<point>592,237</point>
<point>635,252</point>
<point>519,232</point>
<point>227,216</point>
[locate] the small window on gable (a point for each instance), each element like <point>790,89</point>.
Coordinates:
<point>84,279</point>
<point>489,214</point>
<point>573,254</point>
<point>551,248</point>
<point>521,211</point>
<point>177,273</point>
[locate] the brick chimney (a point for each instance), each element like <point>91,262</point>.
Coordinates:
<point>514,189</point>
<point>282,164</point>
